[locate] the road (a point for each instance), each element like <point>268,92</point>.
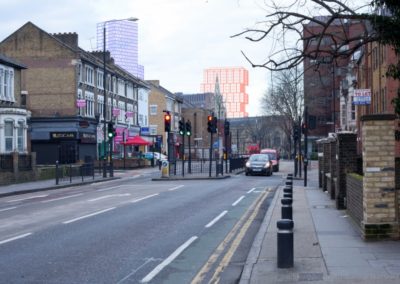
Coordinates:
<point>133,230</point>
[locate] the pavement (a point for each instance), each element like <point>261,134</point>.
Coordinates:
<point>328,247</point>
<point>50,184</point>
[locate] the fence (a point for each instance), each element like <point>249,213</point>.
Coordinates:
<point>205,167</point>
<point>70,172</point>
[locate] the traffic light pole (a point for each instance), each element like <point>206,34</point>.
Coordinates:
<point>305,145</point>
<point>183,147</point>
<point>210,158</point>
<point>299,160</point>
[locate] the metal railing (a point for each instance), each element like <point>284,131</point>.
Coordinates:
<point>71,172</point>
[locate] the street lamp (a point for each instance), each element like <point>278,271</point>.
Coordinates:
<point>132,19</point>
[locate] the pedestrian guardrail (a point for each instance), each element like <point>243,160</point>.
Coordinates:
<point>72,172</point>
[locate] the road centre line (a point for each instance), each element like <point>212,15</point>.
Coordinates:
<point>143,198</point>
<point>108,196</point>
<point>237,201</point>
<point>15,238</point>
<point>176,187</point>
<point>251,190</point>
<point>27,198</point>
<point>61,198</point>
<point>215,220</point>
<point>89,215</point>
<point>8,208</point>
<point>168,260</point>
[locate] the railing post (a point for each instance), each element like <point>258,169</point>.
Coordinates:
<point>70,173</point>
<point>57,178</point>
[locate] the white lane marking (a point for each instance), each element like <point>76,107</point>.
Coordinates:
<point>89,215</point>
<point>176,187</point>
<point>168,260</point>
<point>109,188</point>
<point>215,220</point>
<point>143,198</point>
<point>151,259</point>
<point>251,190</point>
<point>61,198</point>
<point>237,201</point>
<point>8,208</point>
<point>15,238</point>
<point>108,196</point>
<point>32,197</point>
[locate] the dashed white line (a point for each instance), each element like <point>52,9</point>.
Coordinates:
<point>8,208</point>
<point>89,215</point>
<point>27,198</point>
<point>15,238</point>
<point>61,198</point>
<point>168,260</point>
<point>176,187</point>
<point>251,190</point>
<point>109,188</point>
<point>215,220</point>
<point>237,201</point>
<point>143,198</point>
<point>108,196</point>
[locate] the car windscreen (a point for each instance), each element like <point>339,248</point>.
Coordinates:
<point>258,158</point>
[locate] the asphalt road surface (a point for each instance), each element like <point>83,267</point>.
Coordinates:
<point>134,230</point>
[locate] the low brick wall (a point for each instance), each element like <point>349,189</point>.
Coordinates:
<point>354,198</point>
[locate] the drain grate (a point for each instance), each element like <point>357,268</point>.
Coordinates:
<point>311,276</point>
<point>323,206</point>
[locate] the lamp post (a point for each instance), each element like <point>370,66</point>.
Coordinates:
<point>105,102</point>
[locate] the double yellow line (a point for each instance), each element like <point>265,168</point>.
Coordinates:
<point>232,240</point>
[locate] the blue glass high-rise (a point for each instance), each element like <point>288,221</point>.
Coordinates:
<point>122,42</point>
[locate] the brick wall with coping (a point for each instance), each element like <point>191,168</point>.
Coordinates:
<point>380,220</point>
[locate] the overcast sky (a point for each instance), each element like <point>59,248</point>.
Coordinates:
<point>178,39</point>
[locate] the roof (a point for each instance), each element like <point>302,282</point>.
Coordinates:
<point>11,62</point>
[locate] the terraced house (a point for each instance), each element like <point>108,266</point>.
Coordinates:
<point>67,96</point>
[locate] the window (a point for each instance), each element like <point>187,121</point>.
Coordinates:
<point>153,129</point>
<point>100,106</point>
<point>99,81</point>
<point>89,75</point>
<point>8,135</point>
<point>129,91</point>
<point>153,109</point>
<point>121,106</point>
<point>20,136</point>
<point>121,88</point>
<point>7,83</point>
<point>89,97</point>
<point>80,97</point>
<point>80,73</point>
<point>2,95</point>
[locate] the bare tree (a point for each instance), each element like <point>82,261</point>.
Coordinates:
<point>287,26</point>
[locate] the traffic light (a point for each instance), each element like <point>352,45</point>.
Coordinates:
<point>111,130</point>
<point>167,122</point>
<point>296,133</point>
<point>181,127</point>
<point>188,128</point>
<point>226,128</point>
<point>210,123</point>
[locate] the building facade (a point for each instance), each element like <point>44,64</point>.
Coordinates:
<point>232,82</point>
<point>67,97</point>
<point>161,101</point>
<point>122,42</point>
<point>13,112</point>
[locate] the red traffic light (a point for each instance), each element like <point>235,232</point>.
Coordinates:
<point>167,117</point>
<point>210,118</point>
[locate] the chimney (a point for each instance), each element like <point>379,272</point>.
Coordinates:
<point>70,39</point>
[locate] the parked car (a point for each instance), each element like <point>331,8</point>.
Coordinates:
<point>149,156</point>
<point>259,164</point>
<point>274,155</point>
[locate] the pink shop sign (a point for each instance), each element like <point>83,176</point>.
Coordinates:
<point>81,103</point>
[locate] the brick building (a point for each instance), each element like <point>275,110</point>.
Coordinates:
<point>67,97</point>
<point>160,100</point>
<point>13,112</point>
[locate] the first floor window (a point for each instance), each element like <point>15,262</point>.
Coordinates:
<point>89,104</point>
<point>8,135</point>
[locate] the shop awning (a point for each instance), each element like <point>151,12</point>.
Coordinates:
<point>137,141</point>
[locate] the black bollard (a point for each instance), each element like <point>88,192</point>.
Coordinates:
<point>288,189</point>
<point>286,209</point>
<point>285,243</point>
<point>289,183</point>
<point>288,195</point>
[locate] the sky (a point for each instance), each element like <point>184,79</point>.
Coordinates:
<point>178,39</point>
